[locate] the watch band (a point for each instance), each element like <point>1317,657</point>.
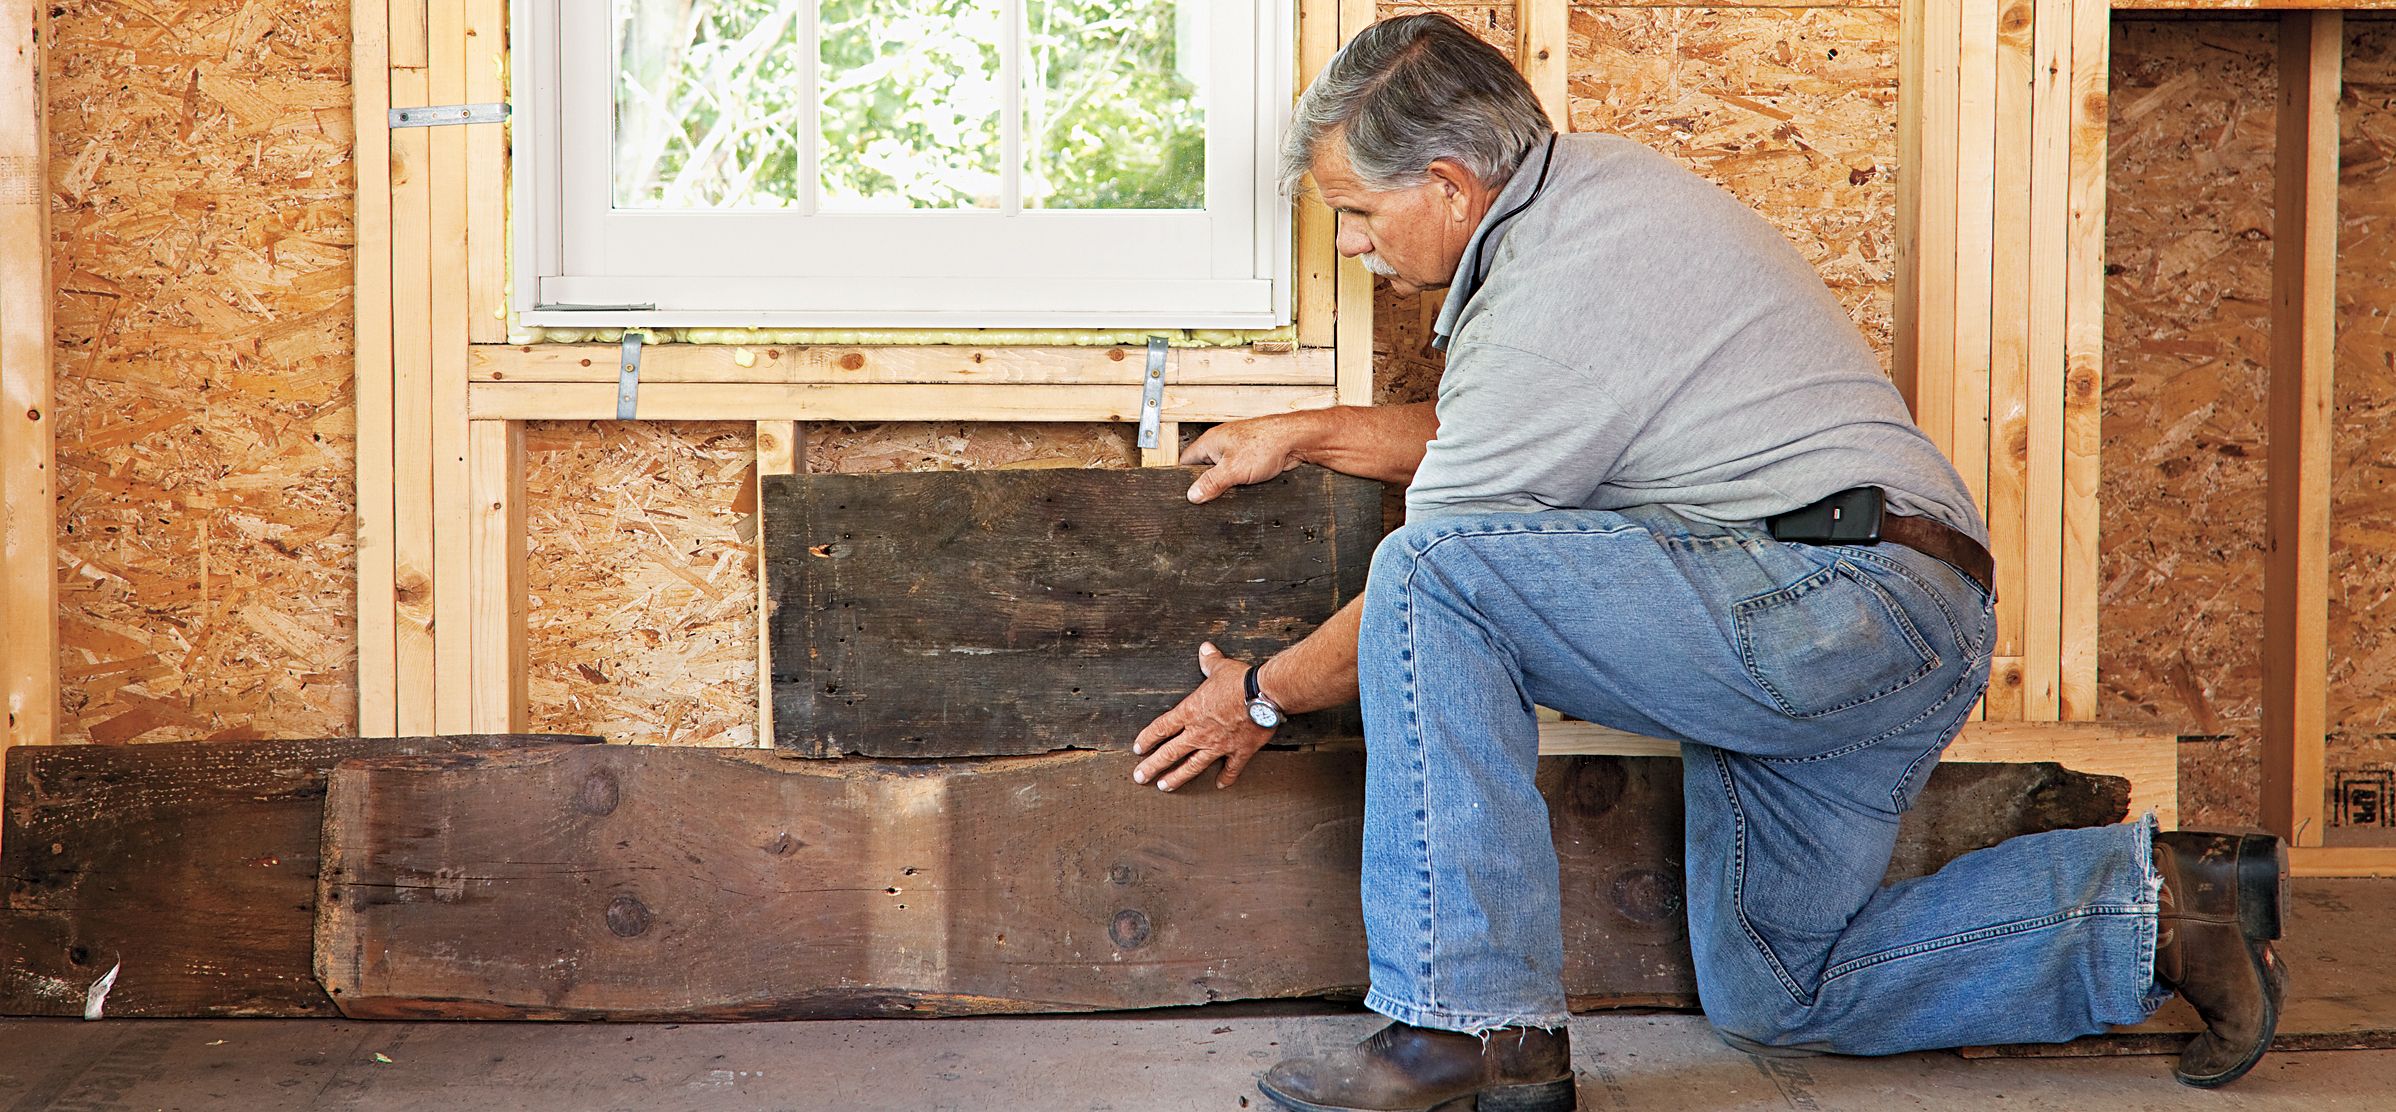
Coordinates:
<point>1256,693</point>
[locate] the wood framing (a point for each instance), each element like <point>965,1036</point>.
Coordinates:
<point>2042,503</point>
<point>1975,241</point>
<point>2147,757</point>
<point>2303,327</point>
<point>28,472</point>
<point>495,533</point>
<point>378,675</point>
<point>2342,861</point>
<point>1928,114</point>
<point>1542,51</point>
<point>781,450</point>
<point>913,364</point>
<point>453,592</point>
<point>1352,329</point>
<point>583,401</point>
<point>2084,358</point>
<point>411,468</point>
<point>2000,241</point>
<point>2009,351</point>
<point>1318,257</point>
<point>486,61</point>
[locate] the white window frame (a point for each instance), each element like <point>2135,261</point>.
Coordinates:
<point>1228,266</point>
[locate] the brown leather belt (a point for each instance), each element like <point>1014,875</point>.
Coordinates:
<point>1932,538</point>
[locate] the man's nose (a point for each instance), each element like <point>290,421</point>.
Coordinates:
<point>1351,240</point>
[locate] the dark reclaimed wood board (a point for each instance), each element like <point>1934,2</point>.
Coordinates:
<point>189,867</point>
<point>640,883</point>
<point>971,613</point>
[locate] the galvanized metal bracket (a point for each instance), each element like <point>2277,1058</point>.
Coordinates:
<point>1152,393</point>
<point>628,377</point>
<point>442,115</point>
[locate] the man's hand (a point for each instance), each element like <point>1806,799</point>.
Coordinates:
<point>1247,452</point>
<point>1211,723</point>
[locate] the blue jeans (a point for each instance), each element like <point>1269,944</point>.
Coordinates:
<point>1812,690</point>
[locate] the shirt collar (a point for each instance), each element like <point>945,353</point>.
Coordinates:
<point>1518,192</point>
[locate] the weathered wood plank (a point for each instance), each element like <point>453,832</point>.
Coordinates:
<point>635,882</point>
<point>965,613</point>
<point>192,864</point>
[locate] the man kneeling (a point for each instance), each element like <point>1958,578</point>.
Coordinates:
<point>1667,489</point>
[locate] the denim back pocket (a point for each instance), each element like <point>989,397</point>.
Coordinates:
<point>1830,641</point>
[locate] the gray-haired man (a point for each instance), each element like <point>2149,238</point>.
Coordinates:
<point>1622,506</point>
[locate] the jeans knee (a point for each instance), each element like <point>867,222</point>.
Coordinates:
<point>1404,545</point>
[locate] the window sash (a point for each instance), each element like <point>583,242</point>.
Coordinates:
<point>1228,266</point>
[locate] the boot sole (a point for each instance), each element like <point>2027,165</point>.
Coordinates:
<point>1547,1096</point>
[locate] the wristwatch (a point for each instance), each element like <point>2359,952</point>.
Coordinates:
<point>1262,710</point>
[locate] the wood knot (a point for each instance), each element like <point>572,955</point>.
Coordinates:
<point>599,794</point>
<point>627,916</point>
<point>1129,929</point>
<point>1122,874</point>
<point>853,361</point>
<point>1646,895</point>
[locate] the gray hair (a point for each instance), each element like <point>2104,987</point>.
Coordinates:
<point>1407,92</point>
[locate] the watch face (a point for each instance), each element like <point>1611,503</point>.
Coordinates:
<point>1263,715</point>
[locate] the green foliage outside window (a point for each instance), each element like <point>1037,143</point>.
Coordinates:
<point>711,104</point>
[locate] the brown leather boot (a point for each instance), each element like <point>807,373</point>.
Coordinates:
<point>1417,1069</point>
<point>2221,901</point>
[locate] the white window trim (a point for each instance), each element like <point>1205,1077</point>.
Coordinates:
<point>1060,269</point>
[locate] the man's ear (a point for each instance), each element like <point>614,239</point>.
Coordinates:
<point>1458,187</point>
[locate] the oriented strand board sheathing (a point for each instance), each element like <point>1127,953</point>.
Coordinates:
<point>643,580</point>
<point>642,616</point>
<point>1492,23</point>
<point>2362,676</point>
<point>2189,264</point>
<point>1792,110</point>
<point>200,157</point>
<point>2187,341</point>
<point>2187,322</point>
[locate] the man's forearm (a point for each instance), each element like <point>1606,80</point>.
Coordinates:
<point>1320,670</point>
<point>1384,442</point>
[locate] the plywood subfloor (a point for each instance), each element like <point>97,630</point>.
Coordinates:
<point>1200,1060</point>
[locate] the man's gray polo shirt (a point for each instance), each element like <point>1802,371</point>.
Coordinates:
<point>1637,336</point>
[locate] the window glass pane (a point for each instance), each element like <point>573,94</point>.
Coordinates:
<point>912,98</point>
<point>1113,115</point>
<point>710,104</point>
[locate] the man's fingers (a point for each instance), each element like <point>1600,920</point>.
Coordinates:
<point>1209,658</point>
<point>1208,484</point>
<point>1231,768</point>
<point>1189,770</point>
<point>1165,726</point>
<point>1162,760</point>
